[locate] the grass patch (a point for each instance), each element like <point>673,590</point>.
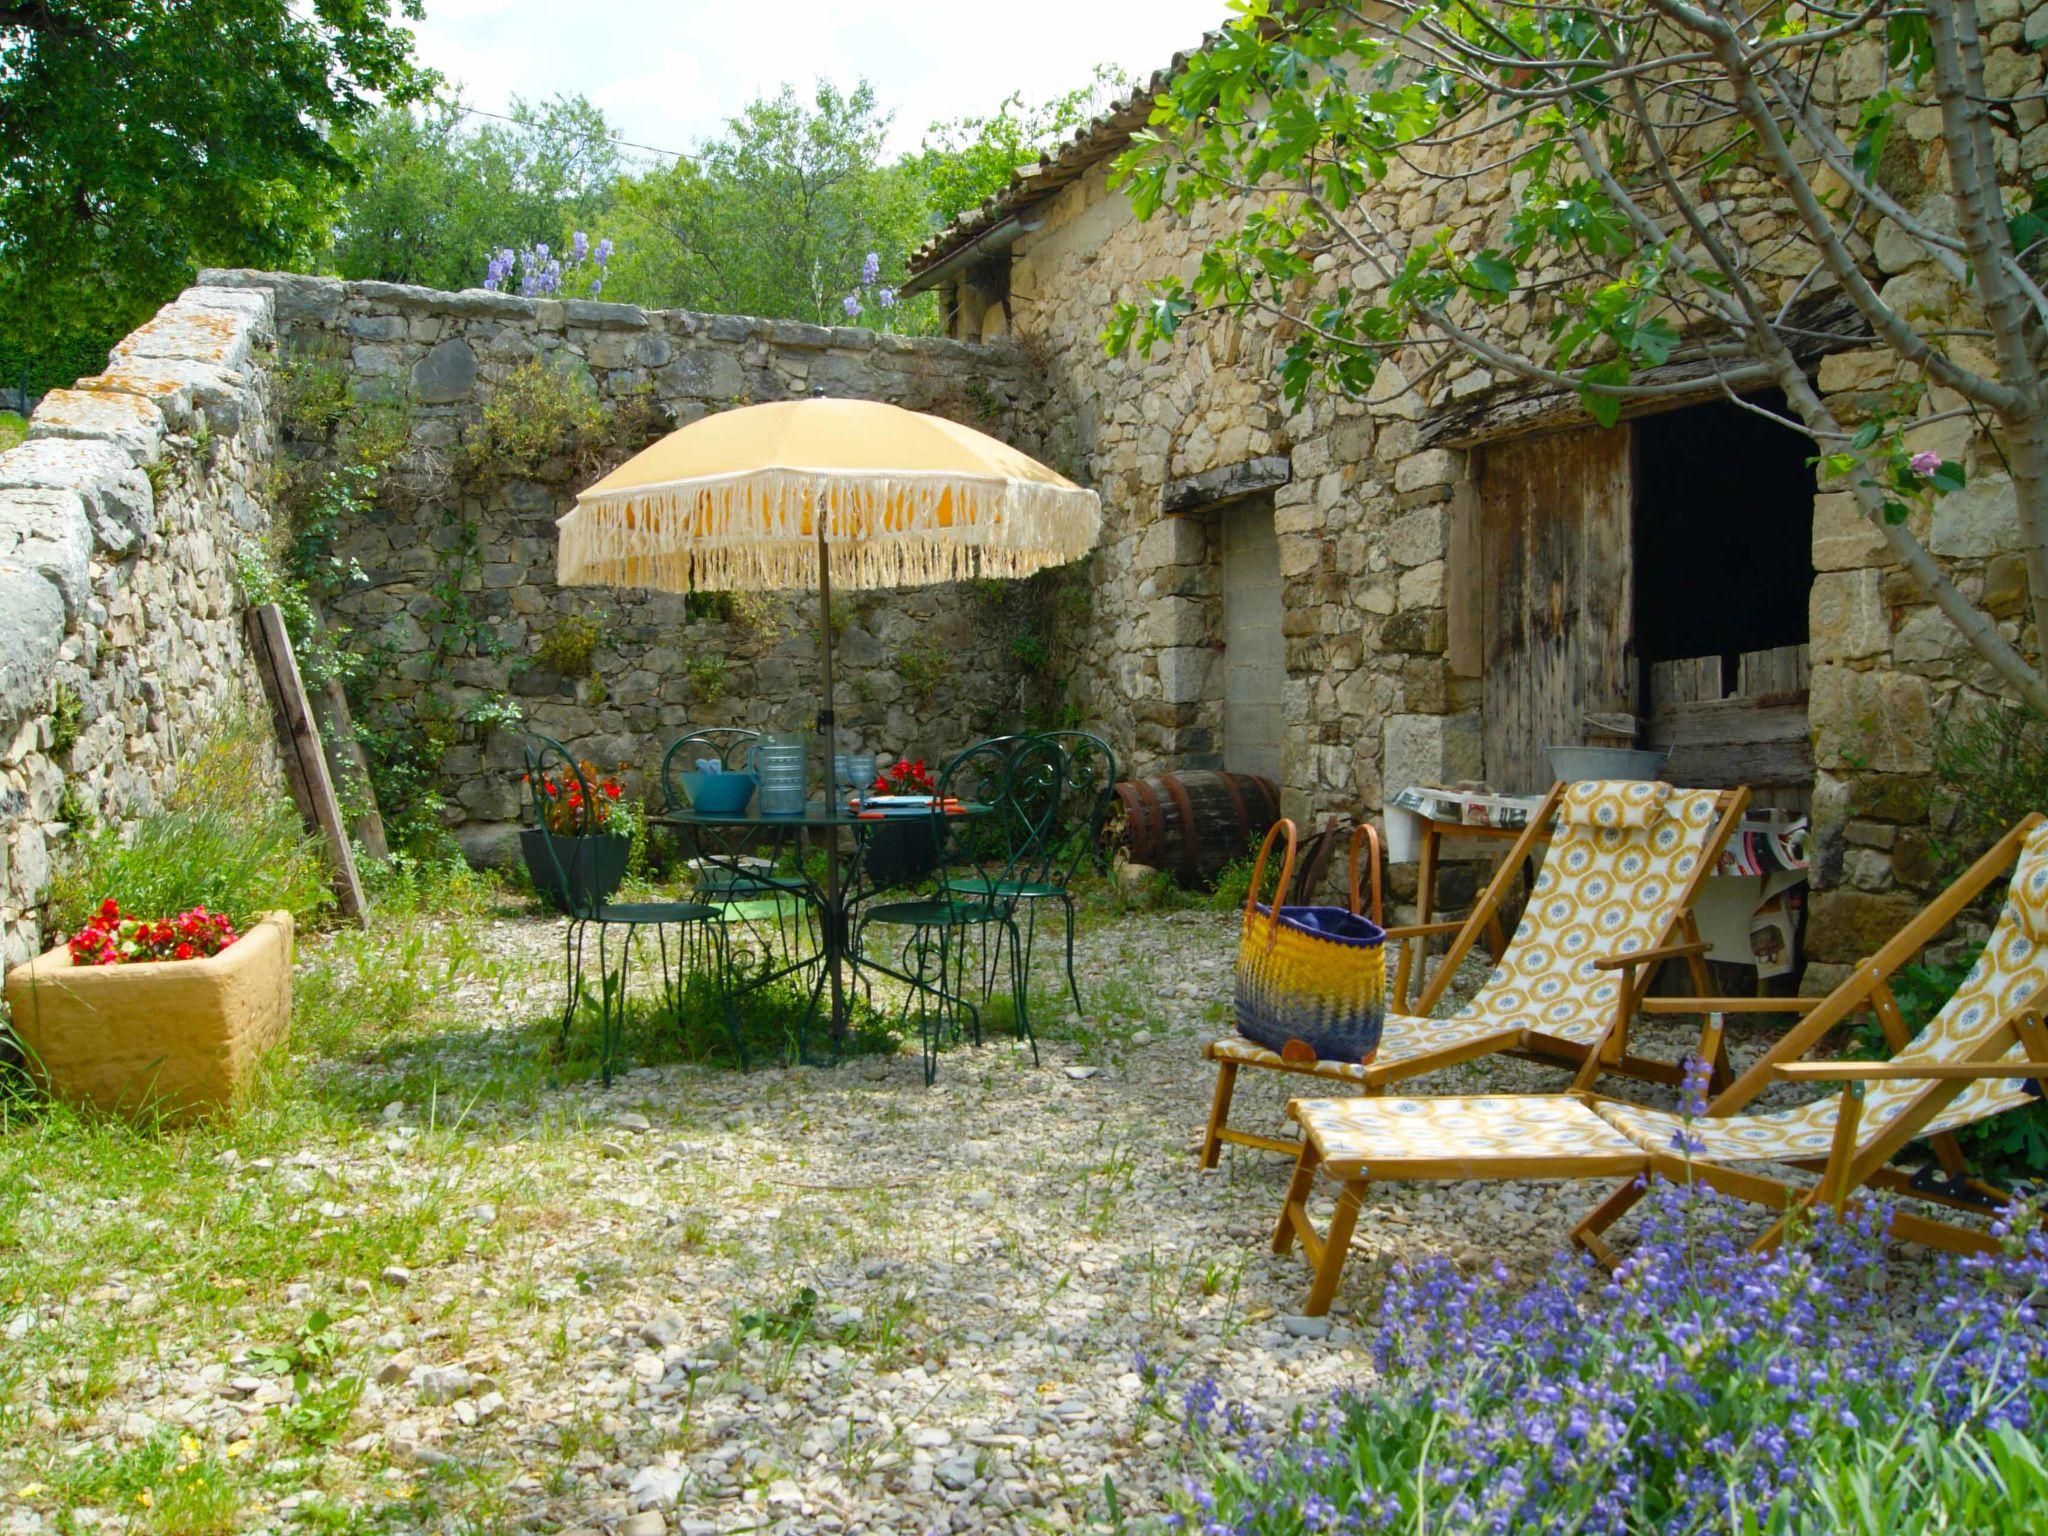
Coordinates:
<point>13,430</point>
<point>696,1024</point>
<point>226,837</point>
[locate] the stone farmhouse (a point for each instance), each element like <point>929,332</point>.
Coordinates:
<point>1430,585</point>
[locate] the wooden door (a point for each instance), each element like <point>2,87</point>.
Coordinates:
<point>1556,629</point>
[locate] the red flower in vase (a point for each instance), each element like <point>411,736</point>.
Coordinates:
<point>905,776</point>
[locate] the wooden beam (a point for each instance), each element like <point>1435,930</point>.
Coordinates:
<point>347,764</point>
<point>1815,328</point>
<point>1717,765</point>
<point>1464,583</point>
<point>305,757</point>
<point>1229,482</point>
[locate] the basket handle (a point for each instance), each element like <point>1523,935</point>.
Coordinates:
<point>1365,833</point>
<point>1251,896</point>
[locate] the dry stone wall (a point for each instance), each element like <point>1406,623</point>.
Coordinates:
<point>1370,700</point>
<point>922,671</point>
<point>122,518</point>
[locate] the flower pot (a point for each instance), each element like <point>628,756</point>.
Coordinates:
<point>580,873</point>
<point>903,850</point>
<point>159,1040</point>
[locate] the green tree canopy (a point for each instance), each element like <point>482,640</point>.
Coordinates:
<point>140,139</point>
<point>441,187</point>
<point>967,160</point>
<point>775,216</point>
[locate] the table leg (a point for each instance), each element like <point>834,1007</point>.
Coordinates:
<point>1417,950</point>
<point>833,921</point>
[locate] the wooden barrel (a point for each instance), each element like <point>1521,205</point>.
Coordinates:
<point>1192,824</point>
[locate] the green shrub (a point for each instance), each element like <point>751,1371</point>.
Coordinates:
<point>1233,884</point>
<point>754,612</point>
<point>226,837</point>
<point>570,645</point>
<point>539,412</point>
<point>441,885</point>
<point>313,394</point>
<point>67,719</point>
<point>707,670</point>
<point>924,668</point>
<point>2013,1145</point>
<point>1993,762</point>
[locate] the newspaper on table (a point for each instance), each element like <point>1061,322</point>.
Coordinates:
<point>1767,840</point>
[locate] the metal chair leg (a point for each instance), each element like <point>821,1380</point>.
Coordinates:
<point>572,962</point>
<point>929,1020</point>
<point>719,943</point>
<point>612,1026</point>
<point>1020,988</point>
<point>1073,986</point>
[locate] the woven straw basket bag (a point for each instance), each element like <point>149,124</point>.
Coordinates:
<point>1311,980</point>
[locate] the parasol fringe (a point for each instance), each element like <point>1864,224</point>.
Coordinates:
<point>754,531</point>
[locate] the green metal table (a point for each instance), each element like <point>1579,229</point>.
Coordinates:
<point>724,839</point>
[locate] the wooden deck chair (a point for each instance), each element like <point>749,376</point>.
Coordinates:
<point>1625,864</point>
<point>1969,1063</point>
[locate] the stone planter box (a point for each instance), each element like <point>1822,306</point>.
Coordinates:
<point>160,1040</point>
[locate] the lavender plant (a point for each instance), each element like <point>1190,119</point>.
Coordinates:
<point>1701,1388</point>
<point>871,300</point>
<point>545,274</point>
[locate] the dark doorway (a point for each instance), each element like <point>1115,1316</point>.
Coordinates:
<point>1723,511</point>
<point>1723,533</point>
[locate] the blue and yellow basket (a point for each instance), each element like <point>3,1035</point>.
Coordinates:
<point>1309,978</point>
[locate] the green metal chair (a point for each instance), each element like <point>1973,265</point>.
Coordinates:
<point>1063,780</point>
<point>732,746</point>
<point>981,857</point>
<point>702,926</point>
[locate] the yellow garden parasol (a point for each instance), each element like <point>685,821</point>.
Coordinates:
<point>817,492</point>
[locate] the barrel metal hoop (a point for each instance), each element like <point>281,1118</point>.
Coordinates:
<point>1140,811</point>
<point>1237,803</point>
<point>1190,860</point>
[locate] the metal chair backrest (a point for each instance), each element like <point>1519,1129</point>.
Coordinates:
<point>561,799</point>
<point>1007,843</point>
<point>732,745</point>
<point>1080,794</point>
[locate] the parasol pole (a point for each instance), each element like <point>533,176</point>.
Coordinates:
<point>828,728</point>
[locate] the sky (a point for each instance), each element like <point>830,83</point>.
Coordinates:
<point>668,73</point>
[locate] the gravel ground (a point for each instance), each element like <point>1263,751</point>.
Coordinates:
<point>817,1300</point>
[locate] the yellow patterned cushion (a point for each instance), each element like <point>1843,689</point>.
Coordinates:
<point>1602,891</point>
<point>1806,1131</point>
<point>1453,1136</point>
<point>2027,897</point>
<point>1614,803</point>
<point>1404,1038</point>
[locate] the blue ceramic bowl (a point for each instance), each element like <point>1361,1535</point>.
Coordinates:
<point>718,794</point>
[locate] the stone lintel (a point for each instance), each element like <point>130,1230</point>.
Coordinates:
<point>1228,482</point>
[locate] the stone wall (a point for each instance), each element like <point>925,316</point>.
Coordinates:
<point>121,520</point>
<point>1362,511</point>
<point>921,671</point>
